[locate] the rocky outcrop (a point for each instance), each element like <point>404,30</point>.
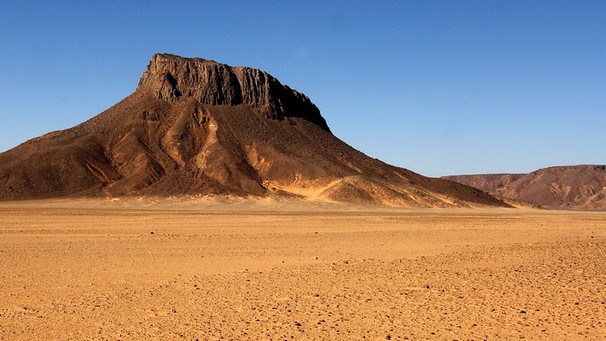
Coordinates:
<point>580,187</point>
<point>173,78</point>
<point>195,127</point>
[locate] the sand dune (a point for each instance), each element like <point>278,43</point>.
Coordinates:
<point>253,270</point>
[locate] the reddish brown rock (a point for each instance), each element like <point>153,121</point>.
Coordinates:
<point>197,127</point>
<point>565,187</point>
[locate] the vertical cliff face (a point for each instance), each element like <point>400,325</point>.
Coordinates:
<point>172,78</point>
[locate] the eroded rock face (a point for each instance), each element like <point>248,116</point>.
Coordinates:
<point>563,187</point>
<point>196,127</point>
<point>173,78</point>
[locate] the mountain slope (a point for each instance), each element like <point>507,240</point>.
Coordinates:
<point>197,127</point>
<point>571,187</point>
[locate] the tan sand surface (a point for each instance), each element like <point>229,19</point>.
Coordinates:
<point>264,270</point>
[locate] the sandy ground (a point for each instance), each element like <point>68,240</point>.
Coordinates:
<point>275,271</point>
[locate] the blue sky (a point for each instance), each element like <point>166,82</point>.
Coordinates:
<point>438,87</point>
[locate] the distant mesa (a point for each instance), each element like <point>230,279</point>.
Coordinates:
<point>581,187</point>
<point>196,127</point>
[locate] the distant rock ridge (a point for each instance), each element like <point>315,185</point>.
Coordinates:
<point>173,78</point>
<point>580,187</point>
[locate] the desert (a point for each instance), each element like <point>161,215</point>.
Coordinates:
<point>300,170</point>
<point>275,269</point>
<point>214,202</point>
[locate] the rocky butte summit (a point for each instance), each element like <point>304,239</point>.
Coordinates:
<point>198,127</point>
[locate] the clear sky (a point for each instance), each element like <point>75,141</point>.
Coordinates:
<point>438,87</point>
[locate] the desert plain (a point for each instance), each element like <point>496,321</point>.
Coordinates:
<point>213,269</point>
